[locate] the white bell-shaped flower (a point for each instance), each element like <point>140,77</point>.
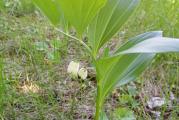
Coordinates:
<point>83,73</point>
<point>73,68</point>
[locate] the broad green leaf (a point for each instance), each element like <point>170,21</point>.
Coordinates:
<point>129,61</point>
<point>50,10</point>
<point>155,45</point>
<point>122,69</point>
<point>80,12</point>
<point>109,20</point>
<point>138,39</point>
<point>104,68</point>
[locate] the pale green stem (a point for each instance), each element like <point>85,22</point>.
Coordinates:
<point>99,99</point>
<point>98,104</point>
<point>74,38</point>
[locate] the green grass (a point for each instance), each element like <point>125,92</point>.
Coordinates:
<point>63,98</point>
<point>2,87</point>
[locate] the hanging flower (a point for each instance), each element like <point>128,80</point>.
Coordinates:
<point>83,73</point>
<point>73,69</point>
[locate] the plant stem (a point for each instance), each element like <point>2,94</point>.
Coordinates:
<point>80,41</point>
<point>98,104</point>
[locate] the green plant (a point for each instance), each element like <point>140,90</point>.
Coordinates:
<point>1,4</point>
<point>123,114</point>
<point>100,20</point>
<point>52,49</point>
<point>19,7</point>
